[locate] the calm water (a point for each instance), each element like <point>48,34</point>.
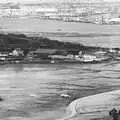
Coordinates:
<point>32,92</point>
<point>37,25</point>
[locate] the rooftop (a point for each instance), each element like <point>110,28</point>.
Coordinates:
<point>44,51</point>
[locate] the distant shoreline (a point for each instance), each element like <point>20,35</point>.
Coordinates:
<point>62,34</point>
<point>60,20</point>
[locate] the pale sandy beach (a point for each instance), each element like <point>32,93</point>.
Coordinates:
<point>95,106</point>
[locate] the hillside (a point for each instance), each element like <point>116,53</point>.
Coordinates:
<point>12,41</point>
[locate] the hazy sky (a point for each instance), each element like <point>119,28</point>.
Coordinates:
<point>33,1</point>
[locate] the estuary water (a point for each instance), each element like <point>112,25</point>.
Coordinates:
<point>102,35</point>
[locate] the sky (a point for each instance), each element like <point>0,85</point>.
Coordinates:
<point>37,1</point>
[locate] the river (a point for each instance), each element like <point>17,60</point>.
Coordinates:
<point>36,25</point>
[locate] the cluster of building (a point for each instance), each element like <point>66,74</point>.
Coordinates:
<point>81,56</point>
<point>52,55</point>
<point>13,56</point>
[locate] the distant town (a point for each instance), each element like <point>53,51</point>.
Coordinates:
<point>67,11</point>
